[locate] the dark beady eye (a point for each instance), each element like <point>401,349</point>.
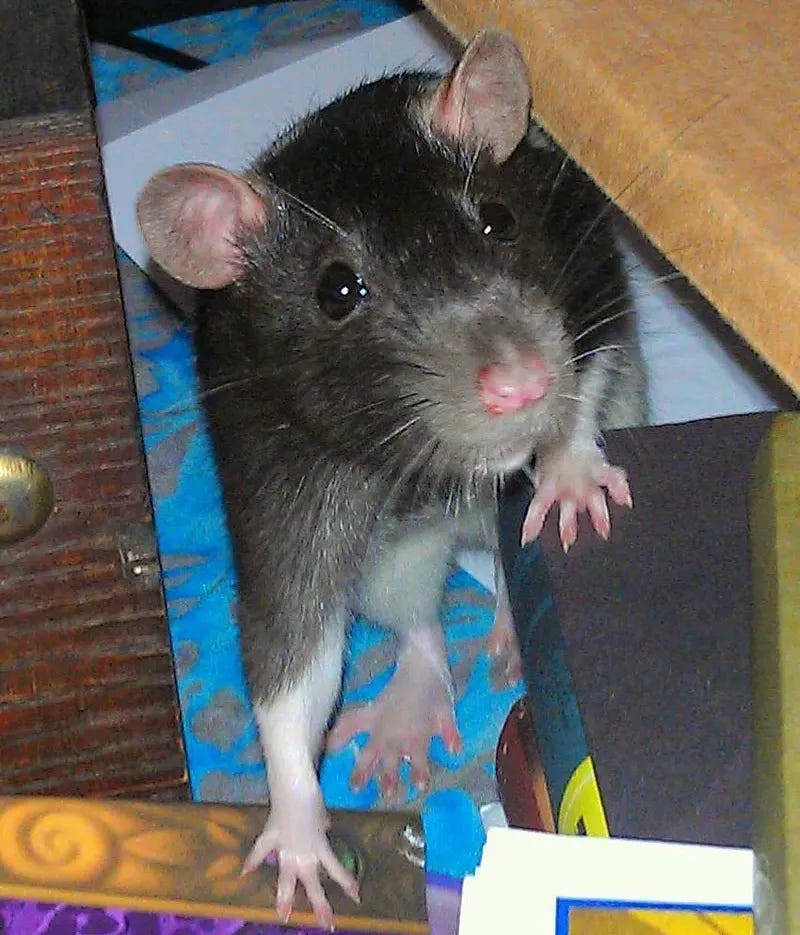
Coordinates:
<point>340,291</point>
<point>498,221</point>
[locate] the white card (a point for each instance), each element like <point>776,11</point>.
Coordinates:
<point>532,882</point>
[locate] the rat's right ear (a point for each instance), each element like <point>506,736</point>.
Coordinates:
<point>192,217</point>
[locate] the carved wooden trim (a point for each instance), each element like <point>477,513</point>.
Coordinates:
<point>187,858</point>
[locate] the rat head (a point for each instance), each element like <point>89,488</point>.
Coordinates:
<point>403,275</point>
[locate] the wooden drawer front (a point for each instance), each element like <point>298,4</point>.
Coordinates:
<point>87,693</point>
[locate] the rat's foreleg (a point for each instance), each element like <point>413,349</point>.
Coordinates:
<point>291,726</point>
<point>574,472</point>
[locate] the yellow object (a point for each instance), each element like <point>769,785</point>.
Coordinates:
<point>581,810</point>
<point>658,922</point>
<point>775,533</point>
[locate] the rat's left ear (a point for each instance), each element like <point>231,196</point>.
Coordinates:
<point>485,100</point>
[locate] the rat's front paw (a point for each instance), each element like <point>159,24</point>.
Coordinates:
<point>416,706</point>
<point>502,644</point>
<point>297,837</point>
<point>577,481</point>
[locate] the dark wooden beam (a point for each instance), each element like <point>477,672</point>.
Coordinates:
<point>87,691</point>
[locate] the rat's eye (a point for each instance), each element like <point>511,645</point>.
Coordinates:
<point>340,291</point>
<point>498,221</point>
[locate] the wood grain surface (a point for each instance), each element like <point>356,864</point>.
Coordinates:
<point>87,691</point>
<point>688,114</point>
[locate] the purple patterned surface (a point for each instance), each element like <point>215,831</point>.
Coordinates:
<point>18,917</point>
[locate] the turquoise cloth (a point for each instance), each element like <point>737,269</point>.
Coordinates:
<point>216,37</point>
<point>222,749</point>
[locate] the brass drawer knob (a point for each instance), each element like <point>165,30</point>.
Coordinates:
<point>26,496</point>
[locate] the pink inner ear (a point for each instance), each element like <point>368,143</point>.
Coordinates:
<point>485,100</point>
<point>192,218</point>
<point>210,218</point>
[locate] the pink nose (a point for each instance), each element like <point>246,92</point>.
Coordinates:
<point>509,386</point>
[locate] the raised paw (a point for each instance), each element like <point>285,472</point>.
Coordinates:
<point>578,482</point>
<point>297,838</point>
<point>414,707</point>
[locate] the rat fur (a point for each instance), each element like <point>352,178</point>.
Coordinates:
<point>410,295</point>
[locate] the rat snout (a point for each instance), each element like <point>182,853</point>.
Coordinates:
<point>513,384</point>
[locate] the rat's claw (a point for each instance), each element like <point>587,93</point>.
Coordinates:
<point>568,523</point>
<point>339,873</point>
<point>389,779</point>
<point>420,774</point>
<point>598,513</point>
<point>535,517</point>
<point>284,899</point>
<point>385,764</point>
<point>616,481</point>
<point>451,738</point>
<point>316,896</point>
<point>366,765</point>
<point>306,871</point>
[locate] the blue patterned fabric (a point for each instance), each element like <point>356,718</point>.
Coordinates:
<point>223,753</point>
<point>220,36</point>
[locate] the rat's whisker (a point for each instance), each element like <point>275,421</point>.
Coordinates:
<point>310,210</point>
<point>472,165</point>
<point>596,350</point>
<point>554,187</point>
<point>422,368</point>
<point>625,297</point>
<point>604,321</point>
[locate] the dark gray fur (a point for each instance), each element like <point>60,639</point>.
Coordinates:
<point>307,415</point>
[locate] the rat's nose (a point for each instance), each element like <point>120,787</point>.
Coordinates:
<point>509,386</point>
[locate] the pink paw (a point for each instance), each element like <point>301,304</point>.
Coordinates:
<point>297,838</point>
<point>577,482</point>
<point>401,725</point>
<point>502,641</point>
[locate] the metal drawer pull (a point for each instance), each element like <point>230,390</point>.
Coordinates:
<point>26,496</point>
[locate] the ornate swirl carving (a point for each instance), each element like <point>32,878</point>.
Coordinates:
<point>55,844</point>
<point>100,853</point>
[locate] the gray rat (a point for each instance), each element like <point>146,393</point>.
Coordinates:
<point>409,296</point>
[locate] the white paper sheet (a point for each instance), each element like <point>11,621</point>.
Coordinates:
<point>523,875</point>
